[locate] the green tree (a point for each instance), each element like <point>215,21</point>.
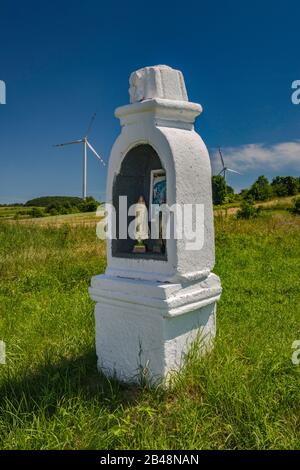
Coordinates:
<point>218,189</point>
<point>285,186</point>
<point>89,205</point>
<point>278,187</point>
<point>260,190</point>
<point>291,184</point>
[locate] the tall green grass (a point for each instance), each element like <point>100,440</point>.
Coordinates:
<point>244,395</point>
<point>9,212</point>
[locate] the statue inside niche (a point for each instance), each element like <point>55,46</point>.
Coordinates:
<point>141,232</point>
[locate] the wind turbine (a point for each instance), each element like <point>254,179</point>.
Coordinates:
<point>86,144</point>
<point>225,168</point>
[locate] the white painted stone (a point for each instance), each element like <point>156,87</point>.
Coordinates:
<point>144,328</point>
<point>149,311</point>
<point>159,81</point>
<point>168,127</point>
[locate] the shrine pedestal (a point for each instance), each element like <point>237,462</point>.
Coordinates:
<point>144,329</point>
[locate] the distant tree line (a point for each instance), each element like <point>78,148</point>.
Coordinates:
<point>57,205</point>
<point>261,189</point>
<point>45,201</point>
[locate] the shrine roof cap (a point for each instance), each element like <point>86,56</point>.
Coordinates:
<point>157,81</point>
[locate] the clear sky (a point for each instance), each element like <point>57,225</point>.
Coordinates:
<point>63,60</point>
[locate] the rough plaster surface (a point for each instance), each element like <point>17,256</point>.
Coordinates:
<point>144,329</point>
<point>167,126</point>
<point>159,81</point>
<point>149,311</point>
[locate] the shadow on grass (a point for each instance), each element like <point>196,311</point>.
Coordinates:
<point>78,378</point>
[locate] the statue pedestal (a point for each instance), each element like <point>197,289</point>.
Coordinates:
<point>139,249</point>
<point>144,329</point>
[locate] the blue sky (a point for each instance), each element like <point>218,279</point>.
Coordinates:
<point>63,60</point>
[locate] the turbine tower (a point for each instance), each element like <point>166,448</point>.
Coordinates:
<point>225,168</point>
<point>86,144</point>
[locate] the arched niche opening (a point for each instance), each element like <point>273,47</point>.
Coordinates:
<point>136,178</point>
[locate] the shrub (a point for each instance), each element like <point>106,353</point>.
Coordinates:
<point>296,206</point>
<point>66,207</point>
<point>36,212</point>
<point>60,209</point>
<point>248,209</point>
<point>52,211</point>
<point>89,205</point>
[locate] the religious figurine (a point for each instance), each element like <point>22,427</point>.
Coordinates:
<point>141,231</point>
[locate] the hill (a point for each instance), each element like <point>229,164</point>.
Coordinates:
<point>45,201</point>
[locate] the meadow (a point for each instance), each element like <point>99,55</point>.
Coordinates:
<point>9,212</point>
<point>244,395</point>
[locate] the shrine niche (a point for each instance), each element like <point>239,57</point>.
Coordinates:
<point>139,178</point>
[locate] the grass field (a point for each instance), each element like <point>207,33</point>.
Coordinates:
<point>9,212</point>
<point>244,395</point>
<point>279,203</point>
<point>12,213</point>
<point>70,220</point>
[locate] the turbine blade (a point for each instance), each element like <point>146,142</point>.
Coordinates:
<point>233,171</point>
<point>90,125</point>
<point>94,151</point>
<point>69,143</point>
<point>221,157</point>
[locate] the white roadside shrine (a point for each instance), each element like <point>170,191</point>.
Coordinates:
<point>152,303</point>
